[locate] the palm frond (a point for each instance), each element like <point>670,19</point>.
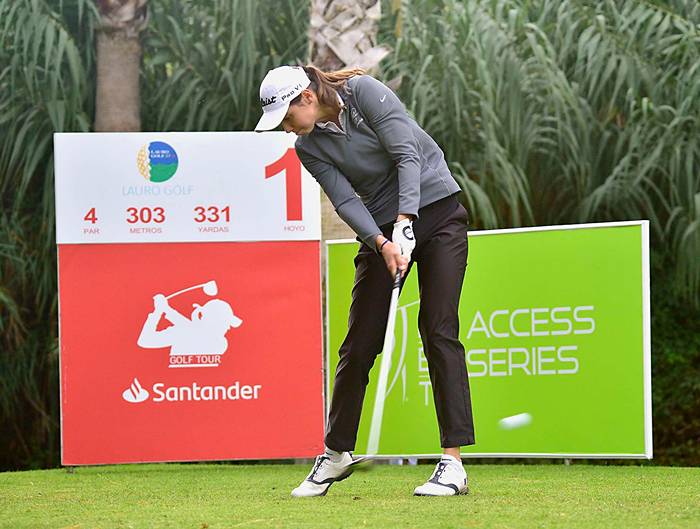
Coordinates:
<point>564,111</point>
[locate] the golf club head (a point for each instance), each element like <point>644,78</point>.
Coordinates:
<point>362,463</point>
<point>211,289</point>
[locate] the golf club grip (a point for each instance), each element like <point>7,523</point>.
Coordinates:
<point>378,410</point>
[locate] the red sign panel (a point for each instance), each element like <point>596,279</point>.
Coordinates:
<point>190,351</point>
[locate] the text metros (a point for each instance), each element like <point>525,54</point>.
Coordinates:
<point>504,328</point>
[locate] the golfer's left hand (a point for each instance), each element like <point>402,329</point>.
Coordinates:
<point>391,252</point>
<point>403,236</point>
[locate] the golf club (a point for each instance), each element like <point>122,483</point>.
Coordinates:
<point>209,288</point>
<point>378,412</point>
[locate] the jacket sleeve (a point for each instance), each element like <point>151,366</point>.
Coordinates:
<point>388,118</point>
<point>343,197</point>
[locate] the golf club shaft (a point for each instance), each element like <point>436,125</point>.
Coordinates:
<point>378,411</point>
<point>184,290</point>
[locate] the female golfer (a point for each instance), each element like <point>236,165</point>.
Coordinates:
<point>388,180</point>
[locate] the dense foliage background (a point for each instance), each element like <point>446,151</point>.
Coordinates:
<point>549,112</point>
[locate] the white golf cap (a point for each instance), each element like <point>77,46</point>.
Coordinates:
<point>277,90</point>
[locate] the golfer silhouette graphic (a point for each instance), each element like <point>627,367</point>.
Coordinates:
<point>203,333</point>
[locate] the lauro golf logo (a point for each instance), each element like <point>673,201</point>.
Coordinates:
<point>194,392</point>
<point>157,161</point>
<point>197,340</point>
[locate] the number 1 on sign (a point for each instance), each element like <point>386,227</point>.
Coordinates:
<point>291,165</point>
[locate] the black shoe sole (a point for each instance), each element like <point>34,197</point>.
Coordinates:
<point>462,493</point>
<point>343,476</point>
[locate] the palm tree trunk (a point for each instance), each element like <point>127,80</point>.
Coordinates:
<point>117,102</point>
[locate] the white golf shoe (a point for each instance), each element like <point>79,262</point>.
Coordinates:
<point>448,479</point>
<point>328,468</point>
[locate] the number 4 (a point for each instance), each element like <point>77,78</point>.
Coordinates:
<point>91,216</point>
<point>291,164</point>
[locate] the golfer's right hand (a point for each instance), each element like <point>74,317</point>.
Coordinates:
<point>391,252</point>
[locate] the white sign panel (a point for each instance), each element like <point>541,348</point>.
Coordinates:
<point>182,187</point>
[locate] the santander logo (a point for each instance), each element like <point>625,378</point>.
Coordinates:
<point>135,393</point>
<point>194,392</point>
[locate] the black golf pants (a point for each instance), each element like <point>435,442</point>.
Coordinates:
<point>441,258</point>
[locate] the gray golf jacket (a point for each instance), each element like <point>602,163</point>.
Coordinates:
<point>382,165</point>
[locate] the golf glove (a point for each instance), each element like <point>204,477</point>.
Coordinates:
<point>403,236</point>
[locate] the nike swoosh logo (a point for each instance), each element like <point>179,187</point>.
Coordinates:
<point>382,99</point>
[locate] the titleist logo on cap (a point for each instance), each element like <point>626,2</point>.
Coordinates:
<point>264,101</point>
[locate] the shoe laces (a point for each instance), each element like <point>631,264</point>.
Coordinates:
<point>439,471</point>
<point>317,466</point>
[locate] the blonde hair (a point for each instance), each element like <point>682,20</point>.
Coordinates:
<point>325,84</point>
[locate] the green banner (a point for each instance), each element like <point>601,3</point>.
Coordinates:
<point>555,325</point>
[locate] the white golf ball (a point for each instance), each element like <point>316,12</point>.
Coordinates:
<point>515,421</point>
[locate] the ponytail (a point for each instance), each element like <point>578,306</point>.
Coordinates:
<point>325,84</point>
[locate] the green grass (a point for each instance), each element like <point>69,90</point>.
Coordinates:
<point>221,496</point>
